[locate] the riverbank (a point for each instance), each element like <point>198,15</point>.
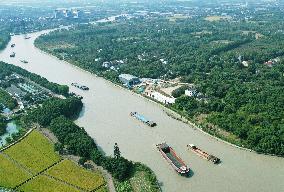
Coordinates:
<point>170,112</point>
<point>105,117</point>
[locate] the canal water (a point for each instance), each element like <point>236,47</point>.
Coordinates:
<point>106,118</point>
<point>10,129</point>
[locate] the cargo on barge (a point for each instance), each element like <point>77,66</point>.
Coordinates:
<point>143,119</point>
<point>203,154</point>
<point>176,162</point>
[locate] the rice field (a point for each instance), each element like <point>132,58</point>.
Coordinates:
<point>69,172</point>
<point>28,158</point>
<point>10,174</point>
<point>34,152</point>
<point>43,183</point>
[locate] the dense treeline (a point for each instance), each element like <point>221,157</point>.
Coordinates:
<point>56,114</point>
<point>4,37</point>
<point>7,100</point>
<point>245,102</point>
<point>7,69</point>
<point>3,125</point>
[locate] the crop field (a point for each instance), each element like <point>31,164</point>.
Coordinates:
<point>10,174</point>
<point>34,152</point>
<point>45,184</point>
<point>68,172</point>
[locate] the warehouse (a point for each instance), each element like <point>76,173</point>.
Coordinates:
<point>129,80</point>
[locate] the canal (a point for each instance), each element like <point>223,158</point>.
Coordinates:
<point>106,118</point>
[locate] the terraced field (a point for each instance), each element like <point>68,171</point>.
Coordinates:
<point>32,165</point>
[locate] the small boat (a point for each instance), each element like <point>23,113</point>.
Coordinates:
<point>27,37</point>
<point>203,154</point>
<point>24,61</point>
<point>82,87</point>
<point>13,54</point>
<point>176,162</point>
<point>13,45</point>
<point>143,119</point>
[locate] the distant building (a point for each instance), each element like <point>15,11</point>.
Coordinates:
<point>129,80</point>
<point>106,64</point>
<point>245,63</point>
<point>162,98</point>
<point>191,92</point>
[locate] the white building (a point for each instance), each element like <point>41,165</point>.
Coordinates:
<point>162,98</point>
<point>190,92</point>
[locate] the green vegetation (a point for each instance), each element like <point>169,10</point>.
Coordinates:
<point>3,125</point>
<point>35,153</point>
<point>69,172</point>
<point>4,37</point>
<point>242,104</point>
<point>7,69</point>
<point>46,184</point>
<point>11,174</point>
<point>7,100</point>
<point>34,160</point>
<point>76,140</point>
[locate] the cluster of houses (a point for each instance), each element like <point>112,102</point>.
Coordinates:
<point>269,63</point>
<point>153,88</point>
<point>26,92</point>
<point>113,65</point>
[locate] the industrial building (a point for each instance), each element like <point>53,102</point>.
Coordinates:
<point>129,80</point>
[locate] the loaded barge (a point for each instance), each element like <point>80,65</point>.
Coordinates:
<point>82,87</point>
<point>203,154</point>
<point>13,54</point>
<point>143,119</point>
<point>176,162</point>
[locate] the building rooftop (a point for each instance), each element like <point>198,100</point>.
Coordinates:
<point>127,76</point>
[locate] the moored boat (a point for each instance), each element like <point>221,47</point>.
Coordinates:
<point>13,45</point>
<point>176,162</point>
<point>203,154</point>
<point>143,119</point>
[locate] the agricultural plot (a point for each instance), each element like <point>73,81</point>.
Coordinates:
<point>45,184</point>
<point>34,152</point>
<point>75,175</point>
<point>10,174</point>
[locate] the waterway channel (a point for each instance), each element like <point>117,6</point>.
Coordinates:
<point>106,118</point>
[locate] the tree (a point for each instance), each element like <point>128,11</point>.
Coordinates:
<point>116,151</point>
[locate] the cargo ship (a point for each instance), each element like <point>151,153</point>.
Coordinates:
<point>203,154</point>
<point>176,162</point>
<point>13,54</point>
<point>24,61</point>
<point>143,119</point>
<point>82,87</point>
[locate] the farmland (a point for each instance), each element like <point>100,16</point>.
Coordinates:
<point>46,184</point>
<point>68,172</point>
<point>34,152</point>
<point>16,175</point>
<point>32,165</point>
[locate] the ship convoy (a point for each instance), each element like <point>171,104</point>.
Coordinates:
<point>170,155</point>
